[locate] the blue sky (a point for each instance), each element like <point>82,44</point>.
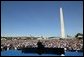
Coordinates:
<point>40,18</point>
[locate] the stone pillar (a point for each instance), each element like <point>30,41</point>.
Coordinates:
<point>62,24</point>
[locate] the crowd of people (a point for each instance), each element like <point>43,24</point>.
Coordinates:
<point>69,44</point>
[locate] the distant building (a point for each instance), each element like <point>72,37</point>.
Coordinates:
<point>79,35</point>
<point>3,39</point>
<point>39,38</point>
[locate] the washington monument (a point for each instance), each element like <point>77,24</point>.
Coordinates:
<point>62,24</point>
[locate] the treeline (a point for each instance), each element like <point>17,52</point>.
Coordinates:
<point>25,38</point>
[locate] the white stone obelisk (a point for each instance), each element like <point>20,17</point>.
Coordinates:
<point>62,24</point>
